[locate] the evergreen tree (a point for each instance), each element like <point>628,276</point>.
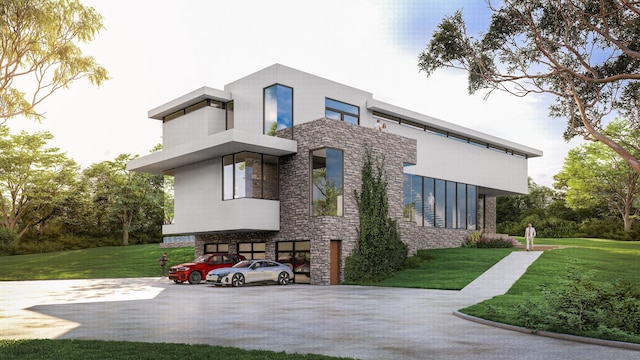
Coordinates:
<point>380,251</point>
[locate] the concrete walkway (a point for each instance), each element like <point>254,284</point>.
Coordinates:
<point>348,321</point>
<point>499,278</point>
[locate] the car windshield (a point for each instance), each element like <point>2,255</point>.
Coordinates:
<point>201,259</point>
<point>242,264</point>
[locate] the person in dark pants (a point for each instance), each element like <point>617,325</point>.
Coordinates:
<point>163,263</point>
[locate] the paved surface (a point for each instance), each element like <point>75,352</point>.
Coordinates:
<point>347,321</point>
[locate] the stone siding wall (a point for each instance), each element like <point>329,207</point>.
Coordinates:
<point>490,204</point>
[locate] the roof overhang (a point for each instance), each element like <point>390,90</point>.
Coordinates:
<point>189,99</point>
<point>211,147</point>
<point>384,108</point>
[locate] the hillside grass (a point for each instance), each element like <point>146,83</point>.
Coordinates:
<point>95,263</point>
<point>450,269</point>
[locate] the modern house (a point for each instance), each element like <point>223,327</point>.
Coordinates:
<point>268,167</point>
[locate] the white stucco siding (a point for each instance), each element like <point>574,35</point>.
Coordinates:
<point>448,159</point>
<point>199,207</point>
<point>309,93</point>
<point>198,192</point>
<point>193,126</point>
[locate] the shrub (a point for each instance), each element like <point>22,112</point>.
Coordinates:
<point>8,241</point>
<point>380,252</point>
<point>583,306</point>
<point>477,240</point>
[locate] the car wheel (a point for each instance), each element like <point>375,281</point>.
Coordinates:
<point>237,280</point>
<point>195,277</point>
<point>283,278</point>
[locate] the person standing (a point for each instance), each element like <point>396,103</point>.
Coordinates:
<point>529,235</point>
<point>378,125</point>
<point>163,263</point>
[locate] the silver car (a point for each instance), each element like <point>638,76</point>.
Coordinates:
<point>251,271</point>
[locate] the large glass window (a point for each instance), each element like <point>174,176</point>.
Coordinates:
<point>338,110</point>
<point>440,201</point>
<point>412,198</point>
<point>462,206</point>
<point>451,204</point>
<point>250,175</point>
<point>326,182</point>
<point>471,206</point>
<point>430,201</point>
<point>278,108</point>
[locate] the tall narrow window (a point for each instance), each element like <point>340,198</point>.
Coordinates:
<point>248,175</point>
<point>278,108</point>
<point>230,119</point>
<point>462,206</point>
<point>326,182</point>
<point>227,177</point>
<point>451,204</point>
<point>338,110</point>
<point>471,206</point>
<point>430,201</point>
<point>440,202</point>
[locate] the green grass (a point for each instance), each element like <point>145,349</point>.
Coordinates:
<point>446,269</point>
<point>94,263</point>
<point>121,350</point>
<point>450,269</point>
<point>610,261</point>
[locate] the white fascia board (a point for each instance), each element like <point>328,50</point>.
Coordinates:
<point>187,100</point>
<point>382,107</point>
<point>213,146</point>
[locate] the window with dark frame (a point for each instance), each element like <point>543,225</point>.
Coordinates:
<point>278,108</point>
<point>250,175</point>
<point>338,110</point>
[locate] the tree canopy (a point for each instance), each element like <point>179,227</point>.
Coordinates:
<point>593,175</point>
<point>585,53</point>
<point>35,180</point>
<point>39,52</point>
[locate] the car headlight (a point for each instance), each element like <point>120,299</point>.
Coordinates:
<point>183,268</point>
<point>221,275</point>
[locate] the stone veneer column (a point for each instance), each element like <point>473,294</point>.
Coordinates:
<point>490,214</point>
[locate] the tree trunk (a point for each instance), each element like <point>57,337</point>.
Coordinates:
<point>126,225</point>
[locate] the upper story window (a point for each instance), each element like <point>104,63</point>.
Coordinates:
<point>326,182</point>
<point>230,118</point>
<point>338,110</point>
<point>278,108</point>
<point>191,108</point>
<point>250,175</point>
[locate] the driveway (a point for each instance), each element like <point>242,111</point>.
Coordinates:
<point>347,321</point>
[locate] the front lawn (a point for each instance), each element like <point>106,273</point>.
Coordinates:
<point>603,261</point>
<point>94,263</point>
<point>445,269</point>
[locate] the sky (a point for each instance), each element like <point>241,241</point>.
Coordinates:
<point>157,50</point>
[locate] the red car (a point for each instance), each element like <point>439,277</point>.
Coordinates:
<point>196,271</point>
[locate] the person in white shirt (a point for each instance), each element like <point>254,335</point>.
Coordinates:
<point>378,125</point>
<point>529,235</point>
